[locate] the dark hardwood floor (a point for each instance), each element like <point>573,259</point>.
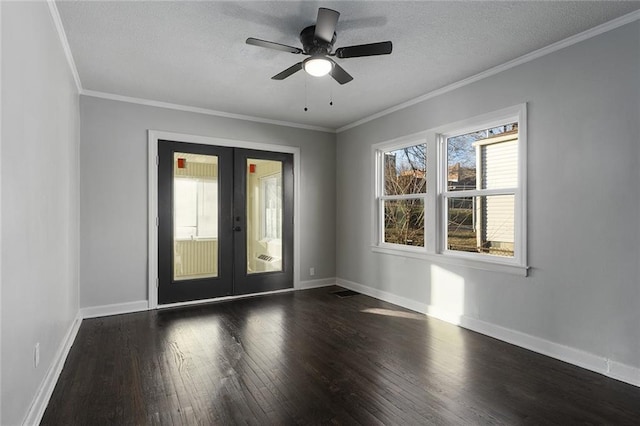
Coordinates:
<point>310,357</point>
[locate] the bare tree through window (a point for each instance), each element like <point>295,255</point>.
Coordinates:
<point>404,183</point>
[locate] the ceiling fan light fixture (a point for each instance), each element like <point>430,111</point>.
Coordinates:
<point>317,43</point>
<point>317,66</point>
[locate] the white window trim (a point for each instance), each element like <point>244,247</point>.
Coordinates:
<point>378,179</point>
<point>435,222</point>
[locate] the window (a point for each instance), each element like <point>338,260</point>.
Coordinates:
<point>196,213</point>
<point>401,202</point>
<point>479,197</point>
<point>466,204</point>
<point>271,207</point>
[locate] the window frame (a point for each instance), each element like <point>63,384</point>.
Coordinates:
<point>437,193</point>
<point>199,189</point>
<point>380,197</point>
<point>263,204</point>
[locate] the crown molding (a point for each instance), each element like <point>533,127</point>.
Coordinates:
<point>55,15</point>
<point>592,32</point>
<point>168,105</point>
<point>577,38</point>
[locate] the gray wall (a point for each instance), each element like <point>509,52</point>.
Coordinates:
<point>583,201</point>
<point>113,218</point>
<point>40,154</point>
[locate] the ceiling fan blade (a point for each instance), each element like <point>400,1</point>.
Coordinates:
<point>326,24</point>
<point>339,74</point>
<point>286,73</point>
<point>272,45</point>
<point>382,48</point>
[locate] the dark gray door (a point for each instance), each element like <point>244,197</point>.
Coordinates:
<point>263,221</point>
<point>225,221</point>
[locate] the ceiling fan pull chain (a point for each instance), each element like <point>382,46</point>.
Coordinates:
<point>331,95</point>
<point>305,93</point>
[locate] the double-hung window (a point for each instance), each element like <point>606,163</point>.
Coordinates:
<point>479,191</point>
<point>472,211</point>
<point>402,188</point>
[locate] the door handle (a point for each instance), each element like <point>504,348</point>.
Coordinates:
<point>237,228</point>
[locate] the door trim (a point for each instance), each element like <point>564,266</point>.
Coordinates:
<point>153,137</point>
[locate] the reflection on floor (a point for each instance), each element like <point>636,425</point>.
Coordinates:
<point>308,357</point>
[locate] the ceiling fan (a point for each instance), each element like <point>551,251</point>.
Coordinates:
<point>317,43</point>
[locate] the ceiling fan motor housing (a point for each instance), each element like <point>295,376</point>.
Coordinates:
<point>315,46</point>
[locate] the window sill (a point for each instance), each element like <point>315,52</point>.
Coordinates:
<point>454,260</point>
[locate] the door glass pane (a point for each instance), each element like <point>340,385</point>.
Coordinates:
<point>195,216</point>
<point>264,216</point>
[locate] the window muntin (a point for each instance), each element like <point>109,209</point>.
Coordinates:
<point>479,198</point>
<point>401,198</point>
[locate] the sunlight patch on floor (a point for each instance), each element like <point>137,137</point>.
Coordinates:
<point>392,313</point>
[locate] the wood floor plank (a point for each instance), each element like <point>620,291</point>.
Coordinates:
<point>310,357</point>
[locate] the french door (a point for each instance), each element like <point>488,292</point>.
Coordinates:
<point>225,221</point>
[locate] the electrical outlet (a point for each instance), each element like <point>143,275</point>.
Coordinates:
<point>36,355</point>
<point>312,271</point>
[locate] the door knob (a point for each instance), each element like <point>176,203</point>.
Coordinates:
<point>237,228</point>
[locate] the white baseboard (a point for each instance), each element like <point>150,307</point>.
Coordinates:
<point>223,299</point>
<point>143,305</point>
<point>115,309</point>
<point>41,399</point>
<point>615,370</point>
<point>383,295</point>
<point>587,360</point>
<point>303,285</point>
<point>322,282</point>
<point>623,372</point>
<point>598,364</point>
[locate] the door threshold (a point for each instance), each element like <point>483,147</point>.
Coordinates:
<point>223,298</point>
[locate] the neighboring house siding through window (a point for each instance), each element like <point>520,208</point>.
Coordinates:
<point>468,204</point>
<point>500,170</point>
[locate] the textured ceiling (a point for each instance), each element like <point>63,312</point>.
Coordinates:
<point>194,53</point>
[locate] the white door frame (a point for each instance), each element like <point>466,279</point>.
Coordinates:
<point>154,137</point>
